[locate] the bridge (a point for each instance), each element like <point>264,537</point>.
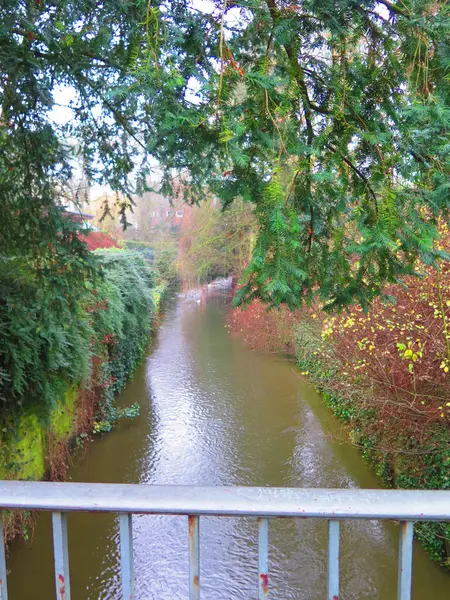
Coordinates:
<point>264,504</point>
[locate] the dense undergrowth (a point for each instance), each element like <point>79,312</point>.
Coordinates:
<point>63,358</point>
<point>121,319</point>
<point>385,374</point>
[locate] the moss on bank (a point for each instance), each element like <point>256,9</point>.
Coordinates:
<point>25,449</point>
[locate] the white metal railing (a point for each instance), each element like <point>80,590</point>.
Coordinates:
<point>405,506</point>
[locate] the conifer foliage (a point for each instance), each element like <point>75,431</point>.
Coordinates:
<point>82,48</point>
<point>331,117</point>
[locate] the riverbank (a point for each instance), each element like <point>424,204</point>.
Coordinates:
<point>212,412</point>
<point>115,323</point>
<point>403,449</point>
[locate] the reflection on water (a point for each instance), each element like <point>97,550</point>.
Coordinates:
<point>215,413</point>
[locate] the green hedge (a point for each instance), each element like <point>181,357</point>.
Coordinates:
<point>144,248</point>
<point>51,337</point>
<point>45,340</point>
<point>54,345</point>
<point>122,328</point>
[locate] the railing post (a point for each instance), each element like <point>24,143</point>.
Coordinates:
<point>126,555</point>
<point>405,560</point>
<point>333,560</point>
<point>194,558</point>
<point>3,586</point>
<point>61,551</point>
<point>263,558</point>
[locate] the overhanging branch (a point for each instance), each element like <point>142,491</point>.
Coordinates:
<point>354,168</point>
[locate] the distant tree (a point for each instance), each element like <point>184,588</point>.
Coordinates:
<point>216,244</point>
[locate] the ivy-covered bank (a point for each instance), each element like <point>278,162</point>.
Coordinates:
<point>401,459</point>
<point>64,359</point>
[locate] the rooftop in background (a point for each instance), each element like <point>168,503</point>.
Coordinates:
<point>77,216</point>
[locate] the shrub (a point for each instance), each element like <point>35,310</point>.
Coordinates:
<point>401,351</point>
<point>121,320</point>
<point>54,337</point>
<point>166,266</point>
<point>144,248</point>
<point>45,340</point>
<point>265,330</point>
<point>98,239</point>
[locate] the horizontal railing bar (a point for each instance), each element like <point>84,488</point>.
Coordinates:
<point>427,505</point>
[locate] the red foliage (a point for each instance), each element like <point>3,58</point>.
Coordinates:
<point>97,239</point>
<point>267,331</point>
<point>395,358</point>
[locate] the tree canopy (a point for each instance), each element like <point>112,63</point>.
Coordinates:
<point>331,117</point>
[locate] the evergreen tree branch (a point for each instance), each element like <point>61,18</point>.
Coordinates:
<point>117,115</point>
<point>355,169</point>
<point>53,57</point>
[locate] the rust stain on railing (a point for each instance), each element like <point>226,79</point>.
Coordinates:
<point>265,582</point>
<point>62,587</point>
<point>191,520</point>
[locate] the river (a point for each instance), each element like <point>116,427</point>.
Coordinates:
<point>215,413</point>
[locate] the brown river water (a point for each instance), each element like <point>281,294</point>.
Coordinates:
<point>215,413</point>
